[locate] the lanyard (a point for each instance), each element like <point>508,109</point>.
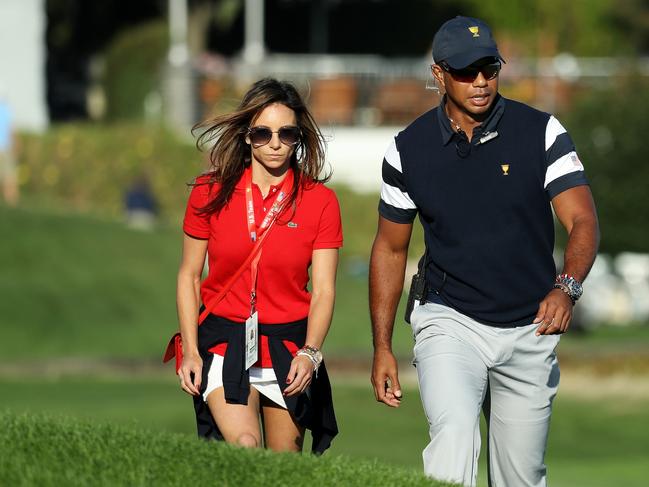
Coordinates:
<point>253,230</point>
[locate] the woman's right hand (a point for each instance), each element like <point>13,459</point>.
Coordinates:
<point>192,364</point>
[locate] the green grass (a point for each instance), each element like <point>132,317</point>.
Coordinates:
<point>83,286</point>
<point>599,443</point>
<point>608,340</point>
<point>80,286</point>
<point>159,404</point>
<point>41,450</point>
<point>593,443</point>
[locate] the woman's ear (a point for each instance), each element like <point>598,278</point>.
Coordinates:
<point>247,139</point>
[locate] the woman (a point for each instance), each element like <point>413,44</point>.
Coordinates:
<point>265,176</point>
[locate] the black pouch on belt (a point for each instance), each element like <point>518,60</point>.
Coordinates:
<point>417,287</point>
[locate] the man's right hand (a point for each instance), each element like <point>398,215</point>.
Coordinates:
<point>387,269</point>
<point>385,378</point>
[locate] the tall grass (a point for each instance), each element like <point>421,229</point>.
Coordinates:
<point>593,442</point>
<point>48,451</point>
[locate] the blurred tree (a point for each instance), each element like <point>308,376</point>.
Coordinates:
<point>632,18</point>
<point>382,27</point>
<point>390,27</point>
<point>132,68</point>
<point>547,27</point>
<point>609,130</point>
<point>220,24</point>
<point>76,31</point>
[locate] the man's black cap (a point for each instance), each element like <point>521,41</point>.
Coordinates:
<point>462,41</point>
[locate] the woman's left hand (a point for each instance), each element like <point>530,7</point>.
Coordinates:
<point>299,375</point>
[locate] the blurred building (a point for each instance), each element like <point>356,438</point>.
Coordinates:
<point>22,61</point>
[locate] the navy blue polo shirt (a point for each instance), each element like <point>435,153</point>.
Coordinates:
<point>484,206</point>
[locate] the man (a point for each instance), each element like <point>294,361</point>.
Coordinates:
<point>483,173</point>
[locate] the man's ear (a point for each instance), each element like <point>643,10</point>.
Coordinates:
<point>438,74</point>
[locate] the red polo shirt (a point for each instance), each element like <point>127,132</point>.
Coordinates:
<point>282,294</point>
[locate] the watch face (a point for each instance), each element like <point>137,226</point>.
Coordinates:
<point>576,289</point>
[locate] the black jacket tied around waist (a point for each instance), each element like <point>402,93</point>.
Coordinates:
<point>312,409</point>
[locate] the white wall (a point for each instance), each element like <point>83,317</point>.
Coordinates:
<point>22,61</point>
<point>356,155</point>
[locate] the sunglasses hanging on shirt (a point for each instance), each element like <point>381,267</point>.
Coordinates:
<point>288,135</point>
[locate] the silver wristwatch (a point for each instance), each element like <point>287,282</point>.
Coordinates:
<point>571,286</point>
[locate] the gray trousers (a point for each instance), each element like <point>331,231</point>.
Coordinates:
<point>464,366</point>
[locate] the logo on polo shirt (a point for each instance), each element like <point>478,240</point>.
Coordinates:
<point>475,30</point>
<point>505,168</point>
<point>291,225</point>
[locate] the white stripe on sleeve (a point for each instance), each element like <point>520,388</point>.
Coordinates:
<point>392,156</point>
<point>397,198</point>
<point>552,131</point>
<point>562,166</point>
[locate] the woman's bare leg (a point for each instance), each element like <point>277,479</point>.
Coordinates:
<point>238,424</point>
<point>280,430</point>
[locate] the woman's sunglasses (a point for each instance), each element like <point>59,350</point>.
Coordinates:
<point>470,73</point>
<point>288,135</point>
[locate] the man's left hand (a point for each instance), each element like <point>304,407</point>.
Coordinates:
<point>555,313</point>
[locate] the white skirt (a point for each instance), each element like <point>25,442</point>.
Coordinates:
<point>262,379</point>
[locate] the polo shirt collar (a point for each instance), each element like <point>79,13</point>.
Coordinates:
<point>241,185</point>
<point>489,125</point>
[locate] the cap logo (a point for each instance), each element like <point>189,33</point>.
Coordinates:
<point>475,30</point>
<point>505,168</point>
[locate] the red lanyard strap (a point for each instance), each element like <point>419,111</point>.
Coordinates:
<point>228,285</point>
<point>271,216</point>
<point>174,348</point>
<point>253,258</point>
<point>275,210</point>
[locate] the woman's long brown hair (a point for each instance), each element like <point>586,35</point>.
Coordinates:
<point>230,155</point>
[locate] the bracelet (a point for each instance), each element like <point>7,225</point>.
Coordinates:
<point>314,355</point>
<point>571,286</point>
<point>565,289</point>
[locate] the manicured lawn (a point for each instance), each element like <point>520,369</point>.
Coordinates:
<point>46,451</point>
<point>87,287</point>
<point>79,286</point>
<point>593,443</point>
